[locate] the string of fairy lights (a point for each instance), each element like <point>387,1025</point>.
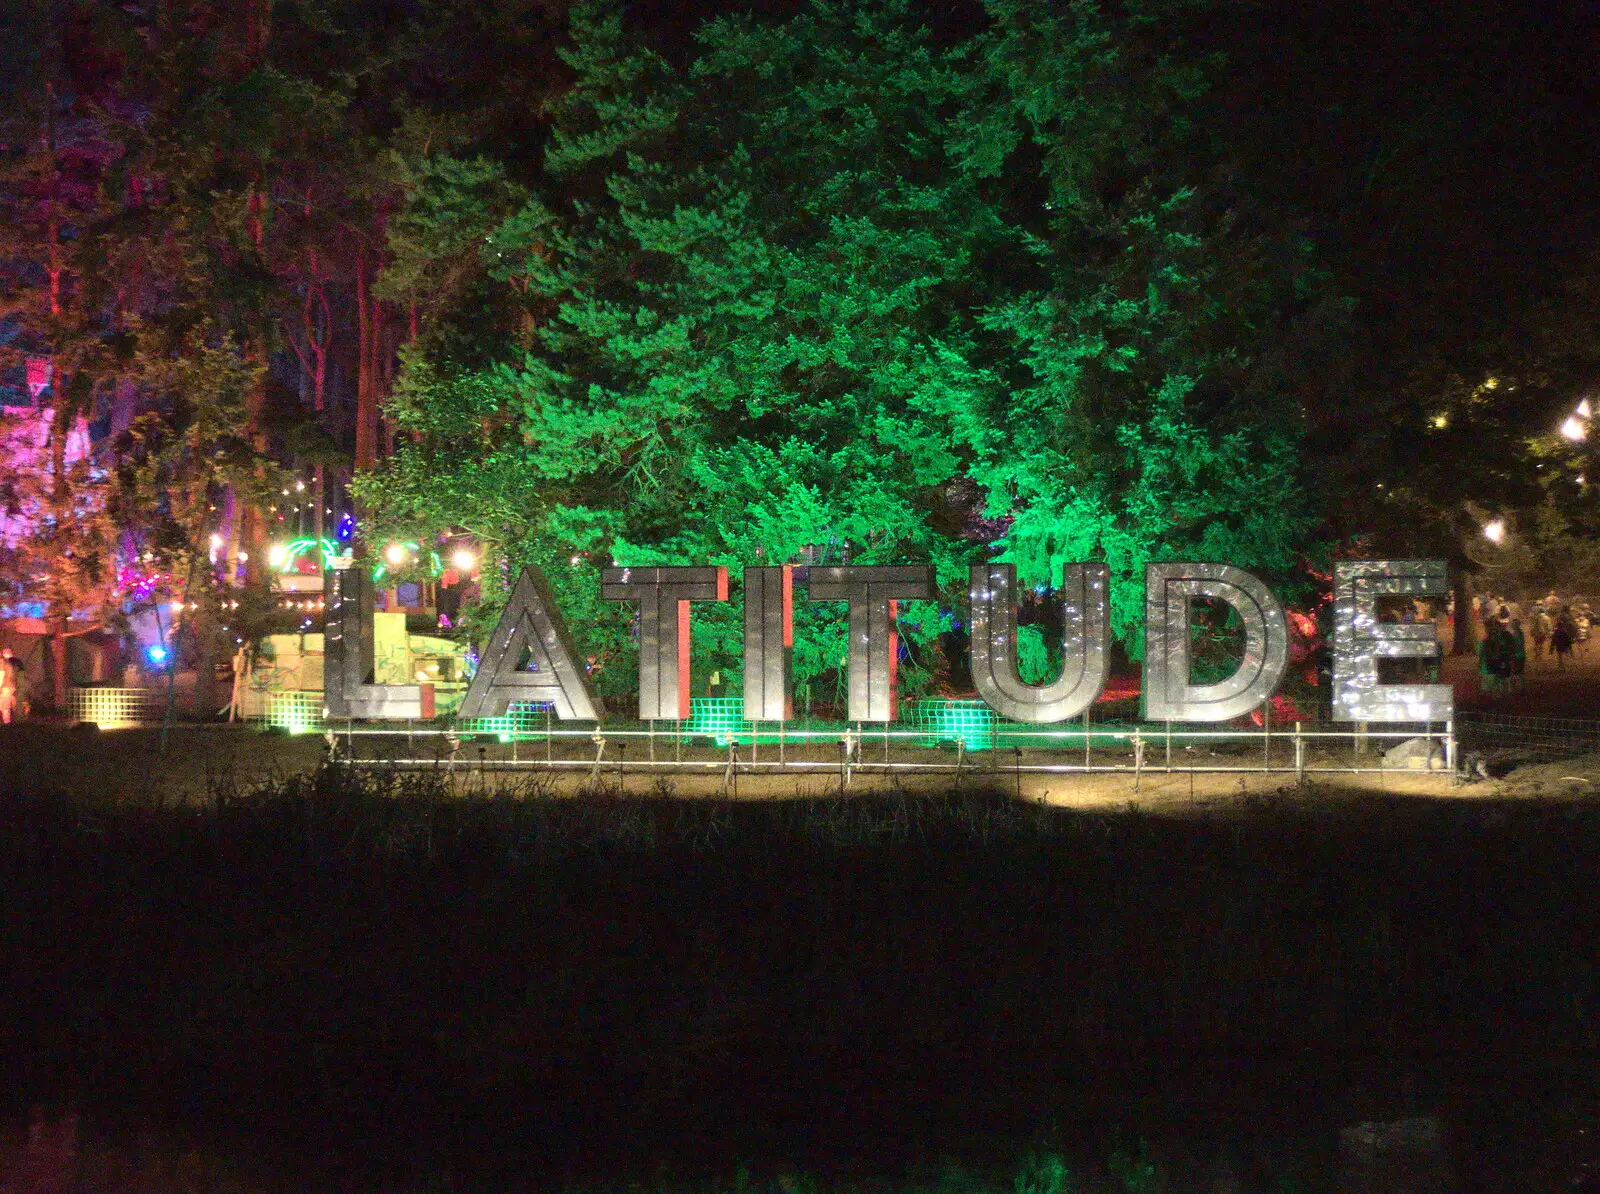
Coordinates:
<point>308,553</point>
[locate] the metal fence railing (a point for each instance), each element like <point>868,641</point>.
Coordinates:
<point>1528,737</point>
<point>712,741</point>
<point>931,735</point>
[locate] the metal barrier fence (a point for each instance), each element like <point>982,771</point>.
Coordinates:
<point>117,708</point>
<point>1528,737</point>
<point>933,736</point>
<point>923,744</point>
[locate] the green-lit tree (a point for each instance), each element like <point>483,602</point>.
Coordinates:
<point>1156,323</point>
<point>838,290</point>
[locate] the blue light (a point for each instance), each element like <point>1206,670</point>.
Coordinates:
<point>158,654</point>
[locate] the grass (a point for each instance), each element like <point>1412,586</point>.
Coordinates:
<point>377,978</point>
<point>130,764</point>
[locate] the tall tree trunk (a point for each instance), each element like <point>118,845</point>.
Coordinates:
<point>58,663</point>
<point>53,202</point>
<point>366,390</point>
<point>319,332</point>
<point>412,327</point>
<point>383,370</point>
<point>319,400</point>
<point>252,528</point>
<point>60,605</point>
<point>253,536</point>
<point>230,540</point>
<point>1465,639</point>
<point>60,589</point>
<point>316,330</point>
<point>255,214</point>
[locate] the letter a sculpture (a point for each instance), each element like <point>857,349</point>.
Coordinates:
<point>530,625</point>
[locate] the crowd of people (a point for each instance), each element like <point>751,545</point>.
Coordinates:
<point>1556,629</point>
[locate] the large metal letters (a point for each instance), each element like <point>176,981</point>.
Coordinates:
<point>1167,693</point>
<point>1085,643</point>
<point>1360,639</point>
<point>872,593</point>
<point>530,624</point>
<point>768,642</point>
<point>347,661</point>
<point>664,595</point>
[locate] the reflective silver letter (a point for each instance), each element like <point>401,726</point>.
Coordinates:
<point>872,592</point>
<point>663,595</point>
<point>530,622</point>
<point>768,642</point>
<point>1085,641</point>
<point>1168,695</point>
<point>1359,639</point>
<point>347,660</point>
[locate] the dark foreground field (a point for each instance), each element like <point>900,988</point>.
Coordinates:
<point>391,989</point>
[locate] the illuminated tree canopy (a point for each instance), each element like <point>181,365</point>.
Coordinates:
<point>838,291</point>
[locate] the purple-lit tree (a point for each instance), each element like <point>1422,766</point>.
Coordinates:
<point>55,201</point>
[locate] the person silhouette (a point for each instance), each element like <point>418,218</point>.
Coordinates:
<point>10,686</point>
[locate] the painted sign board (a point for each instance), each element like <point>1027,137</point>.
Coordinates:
<point>531,657</point>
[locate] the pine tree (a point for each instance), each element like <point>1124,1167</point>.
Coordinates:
<point>1152,413</point>
<point>838,292</point>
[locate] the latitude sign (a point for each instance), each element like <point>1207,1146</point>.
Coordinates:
<point>531,627</point>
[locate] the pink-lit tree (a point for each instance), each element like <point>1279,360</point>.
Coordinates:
<point>54,202</point>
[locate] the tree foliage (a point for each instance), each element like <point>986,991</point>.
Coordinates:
<point>840,290</point>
